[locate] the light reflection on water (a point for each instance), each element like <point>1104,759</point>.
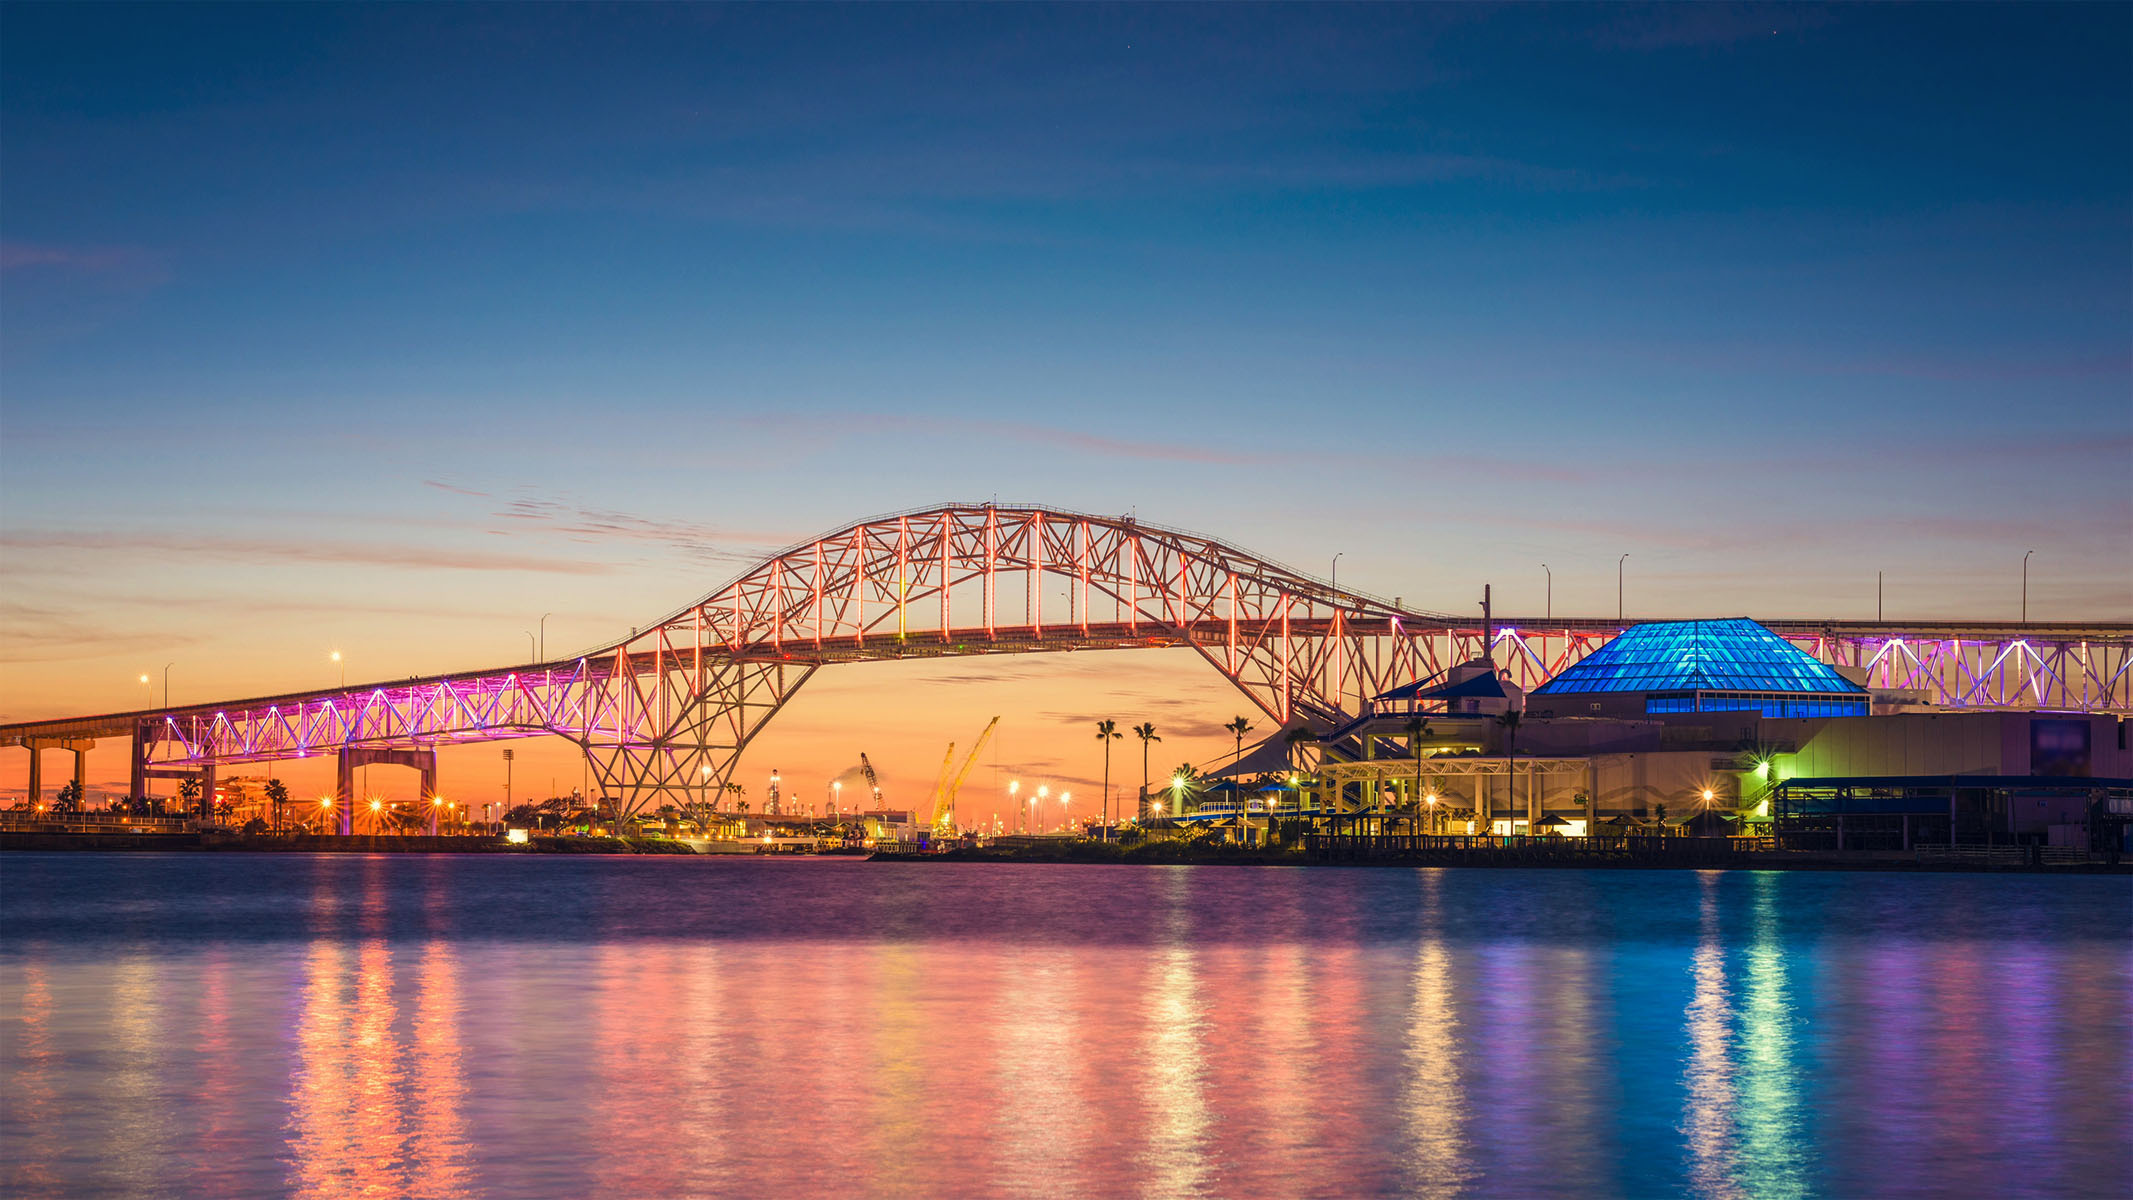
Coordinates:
<point>233,1026</point>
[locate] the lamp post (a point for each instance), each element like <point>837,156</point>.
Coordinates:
<point>544,636</point>
<point>531,654</point>
<point>1064,799</point>
<point>1036,807</point>
<point>2025,585</point>
<point>1618,586</point>
<point>1014,786</point>
<point>166,683</point>
<point>343,666</point>
<point>1550,612</point>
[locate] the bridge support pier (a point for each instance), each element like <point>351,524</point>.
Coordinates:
<point>351,757</point>
<point>38,745</point>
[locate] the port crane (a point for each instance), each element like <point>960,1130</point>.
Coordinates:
<point>873,781</point>
<point>944,792</point>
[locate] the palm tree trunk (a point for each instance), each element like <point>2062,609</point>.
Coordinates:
<point>1144,776</point>
<point>1107,789</point>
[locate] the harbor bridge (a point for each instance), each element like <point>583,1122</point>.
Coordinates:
<point>664,715</point>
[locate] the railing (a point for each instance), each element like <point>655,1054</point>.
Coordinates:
<point>2005,856</point>
<point>1675,851</point>
<point>90,822</point>
<point>1520,847</point>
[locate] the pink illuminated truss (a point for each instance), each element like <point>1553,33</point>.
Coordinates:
<point>664,715</point>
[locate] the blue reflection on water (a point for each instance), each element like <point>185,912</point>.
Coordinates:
<point>228,1025</point>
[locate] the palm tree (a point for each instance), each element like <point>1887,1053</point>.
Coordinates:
<point>1239,728</point>
<point>1509,719</point>
<point>737,790</point>
<point>277,795</point>
<point>1107,732</point>
<point>1417,728</point>
<point>1146,733</point>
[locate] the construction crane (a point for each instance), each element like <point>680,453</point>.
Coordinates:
<point>941,785</point>
<point>873,782</point>
<point>945,791</point>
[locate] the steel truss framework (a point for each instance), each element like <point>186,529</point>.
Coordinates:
<point>664,715</point>
<point>1952,664</point>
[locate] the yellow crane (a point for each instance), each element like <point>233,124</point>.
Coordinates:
<point>944,792</point>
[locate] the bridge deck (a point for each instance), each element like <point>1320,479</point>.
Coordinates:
<point>1060,637</point>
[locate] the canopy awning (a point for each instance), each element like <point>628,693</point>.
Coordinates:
<point>1479,687</point>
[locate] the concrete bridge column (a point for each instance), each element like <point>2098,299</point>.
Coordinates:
<point>344,791</point>
<point>81,776</point>
<point>207,791</point>
<point>137,775</point>
<point>351,757</point>
<point>36,777</point>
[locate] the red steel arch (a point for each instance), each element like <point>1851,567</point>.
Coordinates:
<point>665,714</point>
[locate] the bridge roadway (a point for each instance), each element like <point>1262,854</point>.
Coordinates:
<point>1095,635</point>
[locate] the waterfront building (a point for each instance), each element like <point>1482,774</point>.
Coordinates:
<point>1718,722</point>
<point>1732,665</point>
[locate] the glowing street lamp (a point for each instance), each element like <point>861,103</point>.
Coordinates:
<point>1065,798</point>
<point>344,667</point>
<point>1036,808</point>
<point>1014,786</point>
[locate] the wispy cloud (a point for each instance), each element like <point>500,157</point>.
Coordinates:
<point>30,633</point>
<point>453,488</point>
<point>312,550</point>
<point>1675,26</point>
<point>20,256</point>
<point>709,543</point>
<point>1149,449</point>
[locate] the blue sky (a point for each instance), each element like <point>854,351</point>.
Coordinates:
<point>399,325</point>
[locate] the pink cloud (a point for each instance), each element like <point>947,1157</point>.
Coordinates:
<point>309,550</point>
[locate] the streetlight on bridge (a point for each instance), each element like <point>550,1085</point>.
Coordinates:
<point>2025,585</point>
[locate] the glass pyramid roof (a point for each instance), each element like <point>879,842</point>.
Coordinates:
<point>1732,655</point>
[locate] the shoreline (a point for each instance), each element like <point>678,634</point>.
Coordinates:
<point>210,843</point>
<point>1099,854</point>
<point>2002,861</point>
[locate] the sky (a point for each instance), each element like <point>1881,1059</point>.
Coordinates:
<point>389,329</point>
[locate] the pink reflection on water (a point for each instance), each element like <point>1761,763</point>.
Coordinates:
<point>31,1085</point>
<point>1360,1043</point>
